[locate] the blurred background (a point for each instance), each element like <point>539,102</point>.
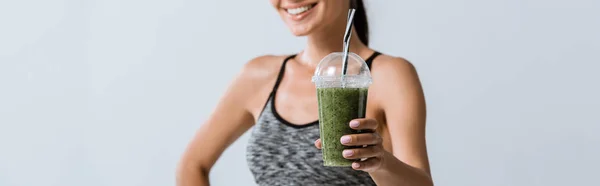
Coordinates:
<point>109,92</point>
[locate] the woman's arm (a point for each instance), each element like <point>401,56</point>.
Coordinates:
<point>402,100</point>
<point>228,122</point>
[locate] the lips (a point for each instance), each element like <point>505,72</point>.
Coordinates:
<point>299,12</point>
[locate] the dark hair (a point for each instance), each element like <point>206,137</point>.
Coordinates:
<point>360,21</point>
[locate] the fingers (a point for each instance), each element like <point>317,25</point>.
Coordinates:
<point>363,124</point>
<point>360,153</point>
<point>318,143</point>
<point>361,139</point>
<point>368,165</point>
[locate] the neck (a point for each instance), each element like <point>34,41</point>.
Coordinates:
<point>324,43</point>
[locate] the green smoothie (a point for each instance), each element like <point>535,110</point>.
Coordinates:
<point>337,107</point>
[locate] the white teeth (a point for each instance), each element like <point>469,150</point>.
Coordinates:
<point>299,10</point>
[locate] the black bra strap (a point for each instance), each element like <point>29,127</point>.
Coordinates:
<point>369,60</point>
<point>281,72</point>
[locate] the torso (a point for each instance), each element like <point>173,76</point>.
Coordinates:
<point>296,97</point>
<point>281,146</point>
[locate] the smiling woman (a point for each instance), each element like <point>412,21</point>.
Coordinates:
<point>275,95</point>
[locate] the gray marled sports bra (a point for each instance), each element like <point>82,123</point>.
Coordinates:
<point>282,153</point>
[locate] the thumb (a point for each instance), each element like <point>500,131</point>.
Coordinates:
<point>318,143</point>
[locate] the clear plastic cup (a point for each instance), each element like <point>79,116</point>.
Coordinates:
<point>341,99</point>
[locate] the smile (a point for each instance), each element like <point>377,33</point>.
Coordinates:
<point>300,10</point>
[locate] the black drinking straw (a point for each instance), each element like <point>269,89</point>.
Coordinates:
<point>347,36</point>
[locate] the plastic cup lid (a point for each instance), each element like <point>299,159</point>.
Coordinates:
<point>329,72</point>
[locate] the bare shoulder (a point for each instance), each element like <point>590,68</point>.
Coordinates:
<point>256,80</point>
<point>396,83</point>
<point>392,68</point>
<point>262,66</point>
<point>262,69</point>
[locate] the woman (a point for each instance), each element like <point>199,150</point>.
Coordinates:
<point>281,150</point>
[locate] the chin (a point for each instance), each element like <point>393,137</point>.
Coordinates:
<point>301,31</point>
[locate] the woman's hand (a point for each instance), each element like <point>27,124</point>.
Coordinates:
<point>372,149</point>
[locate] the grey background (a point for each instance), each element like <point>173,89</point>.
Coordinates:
<point>108,92</point>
